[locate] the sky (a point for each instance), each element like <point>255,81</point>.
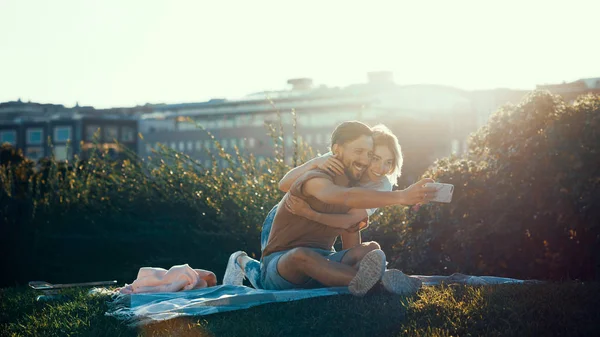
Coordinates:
<point>131,52</point>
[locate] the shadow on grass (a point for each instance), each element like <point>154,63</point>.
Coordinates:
<point>554,309</point>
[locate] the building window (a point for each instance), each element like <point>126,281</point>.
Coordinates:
<point>148,148</point>
<point>173,146</point>
<point>127,134</point>
<point>286,118</point>
<point>224,143</point>
<point>289,141</point>
<point>233,142</point>
<point>9,136</point>
<point>207,144</point>
<point>186,125</point>
<point>318,139</point>
<point>309,138</point>
<point>62,134</point>
<point>210,124</point>
<point>111,133</point>
<point>35,136</point>
<point>243,120</point>
<point>455,146</point>
<point>305,119</point>
<point>61,152</point>
<point>190,146</point>
<point>228,122</point>
<point>257,120</point>
<point>251,142</point>
<point>34,152</point>
<point>90,130</point>
<point>181,146</point>
<point>198,145</point>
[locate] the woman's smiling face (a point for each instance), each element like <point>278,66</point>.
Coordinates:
<point>382,163</point>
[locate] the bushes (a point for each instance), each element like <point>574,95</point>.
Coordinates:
<point>166,210</point>
<point>526,204</point>
<point>526,200</point>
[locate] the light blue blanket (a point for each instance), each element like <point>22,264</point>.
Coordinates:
<point>139,309</point>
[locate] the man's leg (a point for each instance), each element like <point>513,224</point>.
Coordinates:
<point>299,265</point>
<point>393,280</point>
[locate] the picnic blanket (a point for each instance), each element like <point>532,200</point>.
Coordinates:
<point>140,309</point>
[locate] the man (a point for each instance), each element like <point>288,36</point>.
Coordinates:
<point>299,251</point>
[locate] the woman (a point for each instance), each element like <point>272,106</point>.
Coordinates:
<point>382,174</point>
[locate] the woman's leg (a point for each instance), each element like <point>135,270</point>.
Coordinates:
<point>251,269</point>
<point>240,264</point>
<point>266,228</point>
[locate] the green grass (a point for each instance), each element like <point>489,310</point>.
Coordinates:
<point>553,309</point>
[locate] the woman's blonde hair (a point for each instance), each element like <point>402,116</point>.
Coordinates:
<point>382,135</point>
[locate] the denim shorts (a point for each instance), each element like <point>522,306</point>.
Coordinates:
<point>272,280</point>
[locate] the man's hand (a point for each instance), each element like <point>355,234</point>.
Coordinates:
<point>330,163</point>
<point>417,193</point>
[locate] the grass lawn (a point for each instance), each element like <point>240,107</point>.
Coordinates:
<point>553,309</point>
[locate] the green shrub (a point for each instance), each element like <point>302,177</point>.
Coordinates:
<point>526,201</point>
<point>165,210</point>
<point>526,204</point>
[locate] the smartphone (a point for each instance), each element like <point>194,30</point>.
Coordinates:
<point>444,192</point>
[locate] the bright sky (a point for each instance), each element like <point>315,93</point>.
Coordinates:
<point>122,53</point>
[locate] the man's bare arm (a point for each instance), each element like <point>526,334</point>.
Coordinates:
<point>363,198</point>
<point>344,221</point>
<point>323,162</point>
<point>289,178</point>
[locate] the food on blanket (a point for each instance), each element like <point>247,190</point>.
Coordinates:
<point>178,278</point>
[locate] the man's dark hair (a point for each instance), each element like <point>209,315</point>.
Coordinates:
<point>349,131</point>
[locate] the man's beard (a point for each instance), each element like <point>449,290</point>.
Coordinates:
<point>353,179</point>
<point>349,173</point>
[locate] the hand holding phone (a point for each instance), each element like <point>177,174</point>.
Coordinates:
<point>444,192</point>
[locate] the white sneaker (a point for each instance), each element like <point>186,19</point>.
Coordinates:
<point>234,275</point>
<point>370,271</point>
<point>399,283</point>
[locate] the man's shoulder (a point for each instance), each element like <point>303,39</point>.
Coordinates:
<point>316,173</point>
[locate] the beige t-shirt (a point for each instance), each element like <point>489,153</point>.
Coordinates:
<point>383,185</point>
<point>290,231</point>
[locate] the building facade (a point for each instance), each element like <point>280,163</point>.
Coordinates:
<point>41,130</point>
<point>430,119</point>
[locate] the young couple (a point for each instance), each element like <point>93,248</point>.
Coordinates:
<point>329,197</point>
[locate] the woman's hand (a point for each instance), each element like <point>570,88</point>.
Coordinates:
<point>417,193</point>
<point>330,163</point>
<point>297,206</point>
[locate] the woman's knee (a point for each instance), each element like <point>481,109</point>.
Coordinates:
<point>371,245</point>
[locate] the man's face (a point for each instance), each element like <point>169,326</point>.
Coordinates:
<point>356,156</point>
